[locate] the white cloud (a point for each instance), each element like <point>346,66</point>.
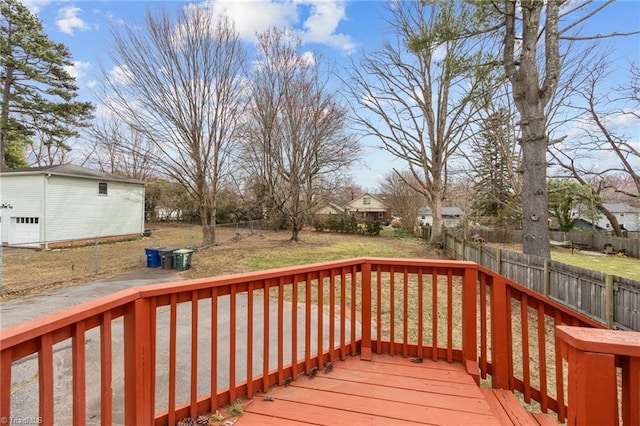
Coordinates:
<point>120,74</point>
<point>78,69</point>
<point>91,84</point>
<point>255,16</point>
<point>251,16</point>
<point>322,23</point>
<point>68,20</point>
<point>35,5</point>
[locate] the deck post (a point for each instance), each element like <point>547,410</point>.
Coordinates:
<point>365,345</point>
<point>500,343</point>
<point>138,405</point>
<point>592,388</point>
<point>469,319</point>
<point>592,356</point>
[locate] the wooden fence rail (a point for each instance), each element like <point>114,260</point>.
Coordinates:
<point>609,299</point>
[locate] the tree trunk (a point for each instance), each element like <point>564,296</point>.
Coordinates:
<point>436,211</point>
<point>4,117</point>
<point>535,226</point>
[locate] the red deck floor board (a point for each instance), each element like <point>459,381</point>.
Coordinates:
<point>387,390</point>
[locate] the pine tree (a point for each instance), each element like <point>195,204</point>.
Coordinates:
<point>37,90</point>
<point>495,196</point>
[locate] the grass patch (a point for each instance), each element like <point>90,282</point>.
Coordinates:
<point>626,267</point>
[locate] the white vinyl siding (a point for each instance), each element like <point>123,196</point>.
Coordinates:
<point>75,210</point>
<point>24,195</point>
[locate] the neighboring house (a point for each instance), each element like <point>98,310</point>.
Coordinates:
<point>451,216</point>
<point>368,207</point>
<point>326,211</point>
<point>627,216</point>
<point>44,207</point>
<point>163,213</point>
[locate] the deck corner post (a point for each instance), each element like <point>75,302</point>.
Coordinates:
<point>365,348</point>
<point>138,406</point>
<point>593,388</point>
<point>469,316</point>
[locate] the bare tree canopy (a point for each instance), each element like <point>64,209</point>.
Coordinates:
<point>296,144</point>
<point>533,52</point>
<point>398,189</point>
<point>122,150</point>
<point>179,83</point>
<point>598,134</point>
<point>417,95</point>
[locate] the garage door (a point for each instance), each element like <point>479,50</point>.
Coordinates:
<point>26,232</point>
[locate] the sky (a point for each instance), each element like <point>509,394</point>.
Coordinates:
<point>340,30</point>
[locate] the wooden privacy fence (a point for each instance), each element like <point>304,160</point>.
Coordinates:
<point>584,239</point>
<point>609,299</point>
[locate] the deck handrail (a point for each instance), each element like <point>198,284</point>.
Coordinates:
<point>302,317</point>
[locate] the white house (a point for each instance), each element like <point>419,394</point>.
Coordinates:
<point>626,215</point>
<point>368,207</point>
<point>451,216</point>
<point>49,206</point>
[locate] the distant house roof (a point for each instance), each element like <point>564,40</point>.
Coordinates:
<point>620,208</point>
<point>446,212</point>
<point>71,170</point>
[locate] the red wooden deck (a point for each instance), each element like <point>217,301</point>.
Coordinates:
<point>387,390</point>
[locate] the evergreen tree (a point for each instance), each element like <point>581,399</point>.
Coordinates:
<point>495,163</point>
<point>37,90</point>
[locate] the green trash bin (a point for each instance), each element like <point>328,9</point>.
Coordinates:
<point>182,259</point>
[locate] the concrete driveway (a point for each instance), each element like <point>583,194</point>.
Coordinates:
<point>25,378</point>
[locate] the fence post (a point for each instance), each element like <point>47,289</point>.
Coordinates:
<point>469,322</point>
<point>499,261</point>
<point>547,278</point>
<point>365,344</point>
<point>138,395</point>
<point>610,300</point>
<point>464,252</point>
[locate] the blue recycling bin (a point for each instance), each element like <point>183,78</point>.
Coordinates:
<point>153,256</point>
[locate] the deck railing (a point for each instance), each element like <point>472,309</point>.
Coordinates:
<point>156,354</point>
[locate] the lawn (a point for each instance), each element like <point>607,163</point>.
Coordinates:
<point>627,267</point>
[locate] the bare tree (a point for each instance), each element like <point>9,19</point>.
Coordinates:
<point>296,144</point>
<point>122,150</point>
<point>179,83</point>
<point>404,199</point>
<point>598,135</point>
<point>532,35</point>
<point>417,96</point>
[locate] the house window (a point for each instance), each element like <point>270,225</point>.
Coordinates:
<point>380,215</point>
<point>366,200</point>
<point>32,220</point>
<point>102,188</point>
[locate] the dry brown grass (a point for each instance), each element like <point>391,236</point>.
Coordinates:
<point>27,271</point>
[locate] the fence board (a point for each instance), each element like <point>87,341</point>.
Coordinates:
<point>524,269</point>
<point>581,289</point>
<point>626,303</point>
